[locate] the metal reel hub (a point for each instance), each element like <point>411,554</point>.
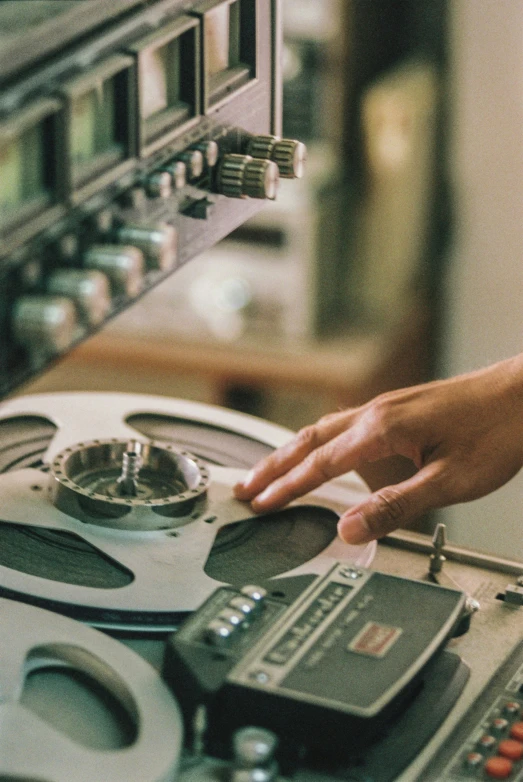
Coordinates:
<point>128,484</point>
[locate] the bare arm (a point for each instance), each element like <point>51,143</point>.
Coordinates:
<point>465,436</point>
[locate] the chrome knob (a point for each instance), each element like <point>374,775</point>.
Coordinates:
<point>44,325</point>
<point>209,150</point>
<point>159,184</point>
<point>158,243</point>
<point>242,176</point>
<point>194,162</point>
<point>89,289</point>
<point>178,171</point>
<point>123,265</point>
<point>254,746</point>
<point>288,154</point>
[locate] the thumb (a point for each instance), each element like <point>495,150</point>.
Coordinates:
<point>389,508</point>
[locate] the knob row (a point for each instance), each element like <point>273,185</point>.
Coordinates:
<point>77,298</point>
<point>251,175</point>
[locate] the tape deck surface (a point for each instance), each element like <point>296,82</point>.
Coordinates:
<point>123,532</point>
<point>137,583</point>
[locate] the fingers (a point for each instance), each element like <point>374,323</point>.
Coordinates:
<point>289,456</point>
<point>392,507</point>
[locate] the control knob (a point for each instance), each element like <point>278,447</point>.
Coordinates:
<point>44,325</point>
<point>288,154</point>
<point>242,176</point>
<point>194,162</point>
<point>178,172</point>
<point>159,184</point>
<point>158,243</point>
<point>89,289</point>
<point>209,150</point>
<point>123,265</point>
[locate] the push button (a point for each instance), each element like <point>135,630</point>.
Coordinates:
<point>498,767</point>
<point>516,731</point>
<point>511,749</point>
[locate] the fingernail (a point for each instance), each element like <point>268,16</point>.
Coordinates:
<point>353,528</point>
<point>247,480</point>
<point>263,500</point>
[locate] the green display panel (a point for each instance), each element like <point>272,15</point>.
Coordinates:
<point>24,188</point>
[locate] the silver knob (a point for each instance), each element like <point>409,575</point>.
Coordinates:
<point>159,184</point>
<point>158,243</point>
<point>219,632</point>
<point>194,162</point>
<point>256,593</point>
<point>288,154</point>
<point>254,746</point>
<point>123,265</point>
<point>44,325</point>
<point>88,288</point>
<point>178,171</point>
<point>209,150</point>
<point>234,617</point>
<point>242,176</point>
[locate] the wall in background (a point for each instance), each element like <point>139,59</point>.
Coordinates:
<point>484,318</point>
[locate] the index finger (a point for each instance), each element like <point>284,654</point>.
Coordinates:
<point>288,456</point>
<point>347,451</point>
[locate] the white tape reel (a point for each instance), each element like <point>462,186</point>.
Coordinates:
<point>166,561</point>
<point>32,746</point>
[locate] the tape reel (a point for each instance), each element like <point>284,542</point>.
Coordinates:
<point>76,704</point>
<point>117,508</point>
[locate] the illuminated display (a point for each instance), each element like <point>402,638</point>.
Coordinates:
<point>98,119</point>
<point>93,126</point>
<point>222,38</point>
<point>26,176</point>
<point>166,98</point>
<point>229,46</point>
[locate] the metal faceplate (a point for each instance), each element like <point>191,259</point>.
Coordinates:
<point>167,566</point>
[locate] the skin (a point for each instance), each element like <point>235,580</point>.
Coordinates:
<point>464,434</point>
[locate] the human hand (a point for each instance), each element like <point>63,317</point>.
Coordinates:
<point>465,436</point>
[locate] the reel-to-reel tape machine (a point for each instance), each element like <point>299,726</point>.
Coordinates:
<point>153,629</point>
<point>117,509</point>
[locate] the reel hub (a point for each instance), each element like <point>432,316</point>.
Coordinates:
<point>128,484</point>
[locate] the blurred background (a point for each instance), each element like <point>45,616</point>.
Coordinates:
<point>395,260</point>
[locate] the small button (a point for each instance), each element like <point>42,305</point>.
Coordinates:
<point>218,632</point>
<point>516,731</point>
<point>511,708</point>
<point>511,749</point>
<point>486,743</point>
<point>499,726</point>
<point>243,604</point>
<point>474,760</point>
<point>498,768</point>
<point>235,618</point>
<point>253,746</point>
<point>256,593</point>
<point>159,184</point>
<point>350,573</point>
